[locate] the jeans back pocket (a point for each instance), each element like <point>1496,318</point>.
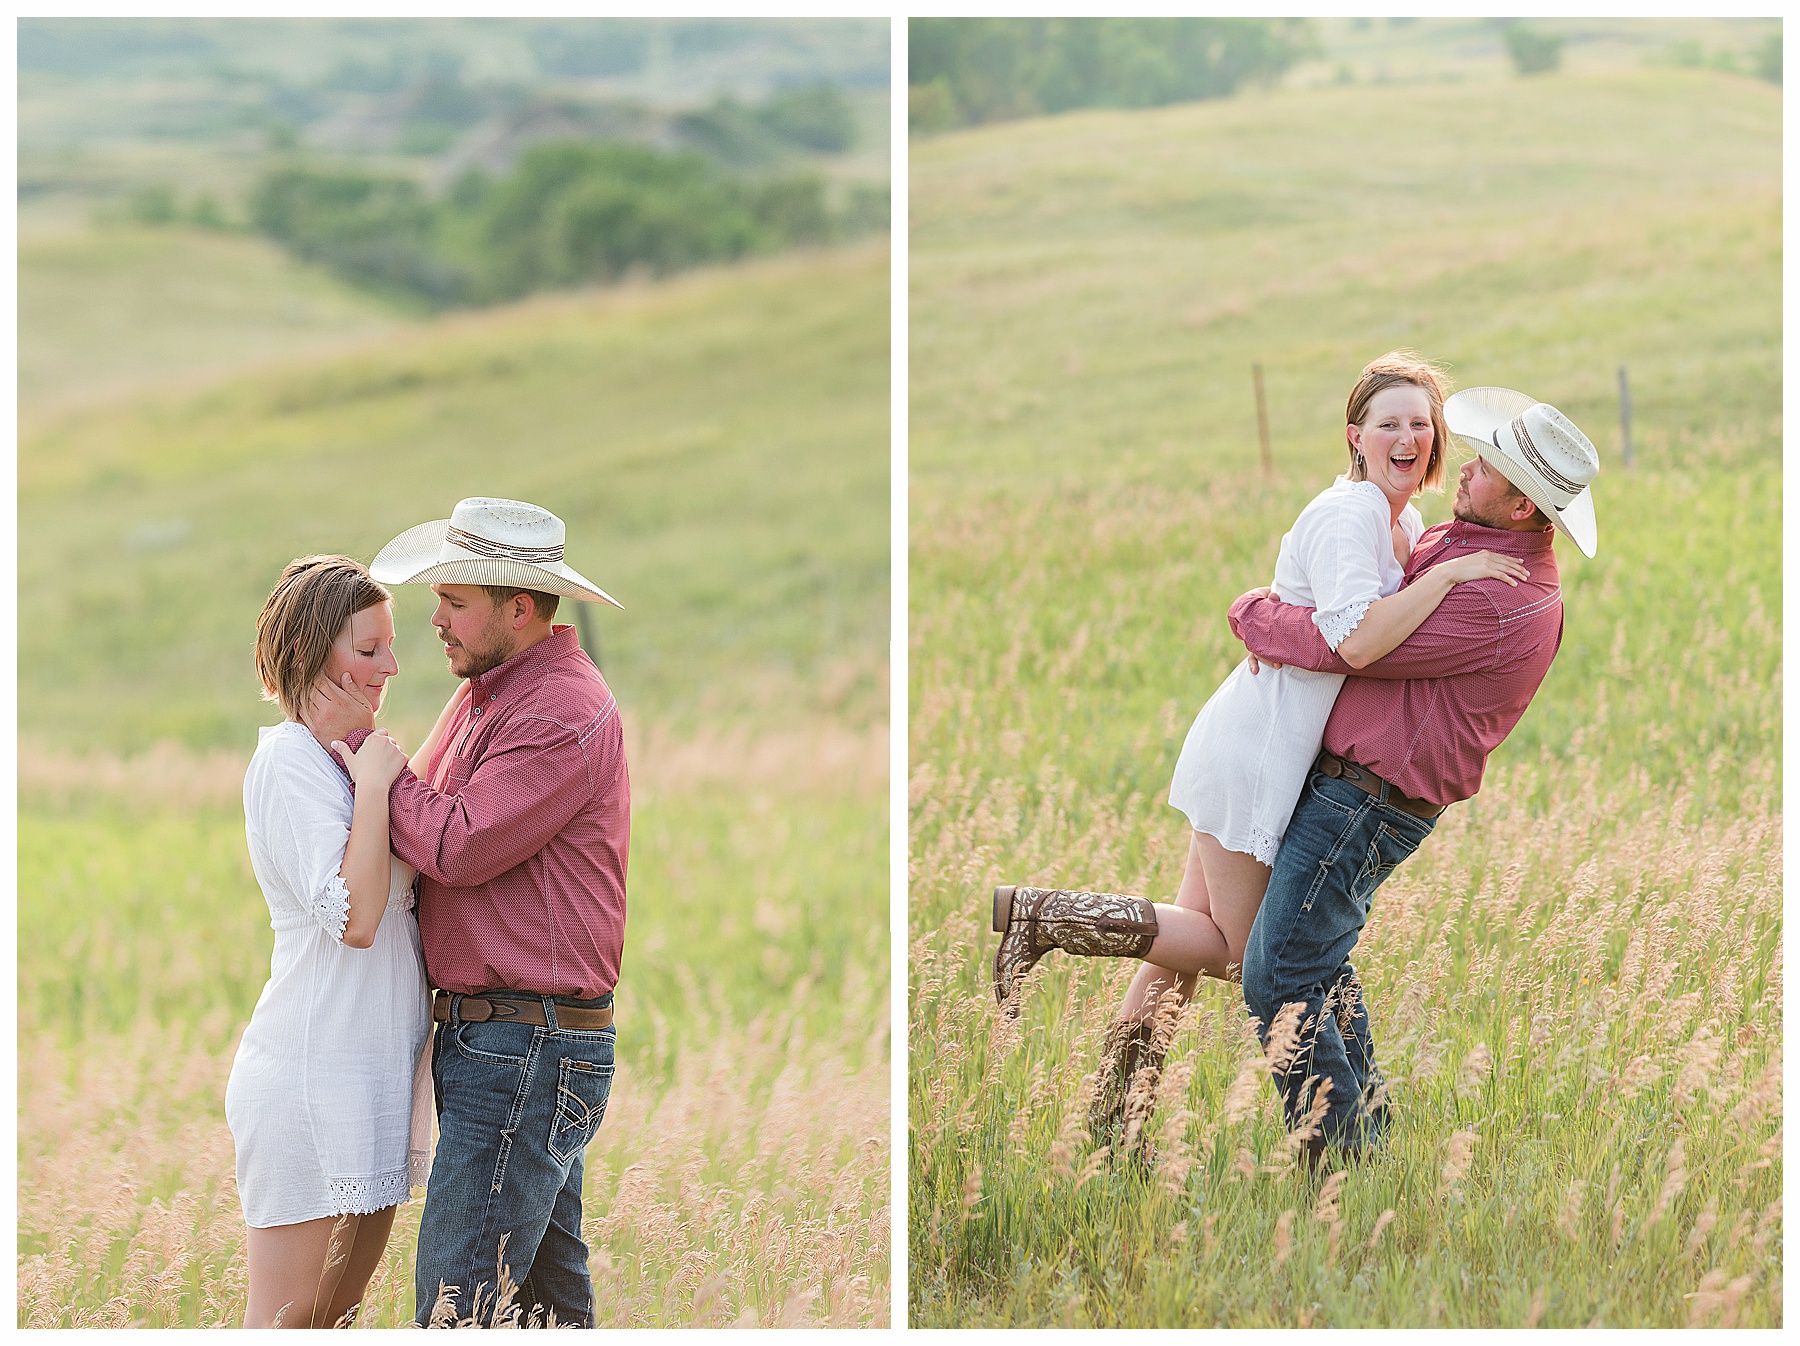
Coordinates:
<point>581,1092</point>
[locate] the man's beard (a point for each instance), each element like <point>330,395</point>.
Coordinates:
<point>1502,512</point>
<point>484,658</point>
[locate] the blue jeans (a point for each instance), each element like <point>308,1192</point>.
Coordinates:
<point>1340,844</point>
<point>517,1106</point>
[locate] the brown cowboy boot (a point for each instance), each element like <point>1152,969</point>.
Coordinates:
<point>1033,921</point>
<point>1130,1048</point>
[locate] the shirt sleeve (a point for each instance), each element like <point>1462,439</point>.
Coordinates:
<point>1339,547</point>
<point>522,793</point>
<point>306,819</point>
<point>1461,636</point>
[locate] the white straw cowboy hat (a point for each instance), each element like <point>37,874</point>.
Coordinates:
<point>1537,449</point>
<point>487,541</point>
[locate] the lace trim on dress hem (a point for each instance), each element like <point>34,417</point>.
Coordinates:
<point>365,1196</point>
<point>1263,846</point>
<point>418,1164</point>
<point>1337,626</point>
<point>331,908</point>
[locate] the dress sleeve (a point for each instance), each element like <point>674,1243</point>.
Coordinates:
<point>306,817</point>
<point>1339,547</point>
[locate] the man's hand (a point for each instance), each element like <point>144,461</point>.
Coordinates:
<point>332,711</point>
<point>1257,665</point>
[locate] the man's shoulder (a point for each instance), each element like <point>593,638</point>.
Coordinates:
<point>571,694</point>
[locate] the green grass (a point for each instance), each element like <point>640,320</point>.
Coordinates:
<point>1581,967</point>
<point>110,312</point>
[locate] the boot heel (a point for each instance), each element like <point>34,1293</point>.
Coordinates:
<point>1003,896</point>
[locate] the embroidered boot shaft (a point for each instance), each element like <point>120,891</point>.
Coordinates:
<point>1033,921</point>
<point>1130,1059</point>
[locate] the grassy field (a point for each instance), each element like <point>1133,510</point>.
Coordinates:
<point>1576,983</point>
<point>109,313</point>
<point>718,447</point>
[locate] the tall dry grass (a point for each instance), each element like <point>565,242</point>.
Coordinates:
<point>741,1176</point>
<point>751,1190</point>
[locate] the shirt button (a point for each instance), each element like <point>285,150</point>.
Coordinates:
<point>478,712</point>
<point>493,696</point>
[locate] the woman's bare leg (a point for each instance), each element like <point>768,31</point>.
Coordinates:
<point>1206,928</point>
<point>365,1255</point>
<point>295,1270</point>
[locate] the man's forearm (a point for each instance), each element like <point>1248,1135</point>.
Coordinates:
<point>1282,633</point>
<point>509,809</point>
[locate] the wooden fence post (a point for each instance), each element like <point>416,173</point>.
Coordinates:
<point>1262,420</point>
<point>1625,412</point>
<point>584,629</point>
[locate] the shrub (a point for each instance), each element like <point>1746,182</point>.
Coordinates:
<point>1532,52</point>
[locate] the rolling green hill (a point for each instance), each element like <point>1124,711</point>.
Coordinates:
<point>1575,949</point>
<point>718,447</point>
<point>107,313</point>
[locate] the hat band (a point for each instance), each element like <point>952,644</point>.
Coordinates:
<point>500,551</point>
<point>1536,459</point>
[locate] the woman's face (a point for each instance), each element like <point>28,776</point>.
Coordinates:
<point>365,650</point>
<point>1395,440</point>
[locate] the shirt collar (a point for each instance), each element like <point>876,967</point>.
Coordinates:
<point>1512,541</point>
<point>524,666</point>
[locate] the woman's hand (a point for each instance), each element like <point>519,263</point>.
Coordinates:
<point>334,709</point>
<point>375,764</point>
<point>1484,565</point>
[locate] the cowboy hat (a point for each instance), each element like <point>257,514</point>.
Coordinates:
<point>1536,448</point>
<point>487,541</point>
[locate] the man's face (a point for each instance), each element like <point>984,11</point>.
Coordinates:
<point>365,650</point>
<point>1485,497</point>
<point>474,630</point>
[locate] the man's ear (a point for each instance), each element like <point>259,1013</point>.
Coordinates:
<point>524,611</point>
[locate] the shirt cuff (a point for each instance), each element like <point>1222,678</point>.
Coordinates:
<point>353,741</point>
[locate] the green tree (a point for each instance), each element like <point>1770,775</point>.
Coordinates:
<point>1533,52</point>
<point>817,117</point>
<point>1768,59</point>
<point>994,69</point>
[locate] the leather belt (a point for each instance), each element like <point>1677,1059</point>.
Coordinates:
<point>1342,768</point>
<point>524,1008</point>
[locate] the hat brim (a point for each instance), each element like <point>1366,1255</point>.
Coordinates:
<point>1475,413</point>
<point>413,558</point>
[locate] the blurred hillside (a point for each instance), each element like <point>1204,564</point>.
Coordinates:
<point>971,71</point>
<point>185,122</point>
<point>146,146</point>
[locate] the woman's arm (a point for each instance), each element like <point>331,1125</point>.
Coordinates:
<point>421,760</point>
<point>1391,620</point>
<point>365,873</point>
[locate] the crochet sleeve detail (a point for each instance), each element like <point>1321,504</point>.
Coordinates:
<point>1337,624</point>
<point>331,907</point>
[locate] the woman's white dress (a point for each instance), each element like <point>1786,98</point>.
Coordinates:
<point>329,1101</point>
<point>1246,757</point>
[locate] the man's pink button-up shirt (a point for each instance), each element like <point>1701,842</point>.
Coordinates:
<point>521,839</point>
<point>1426,716</point>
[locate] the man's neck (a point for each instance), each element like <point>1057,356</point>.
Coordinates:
<point>535,634</point>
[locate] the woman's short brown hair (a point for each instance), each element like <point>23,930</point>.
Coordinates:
<point>313,599</point>
<point>1398,367</point>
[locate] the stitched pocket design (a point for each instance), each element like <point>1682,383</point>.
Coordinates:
<point>581,1092</point>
